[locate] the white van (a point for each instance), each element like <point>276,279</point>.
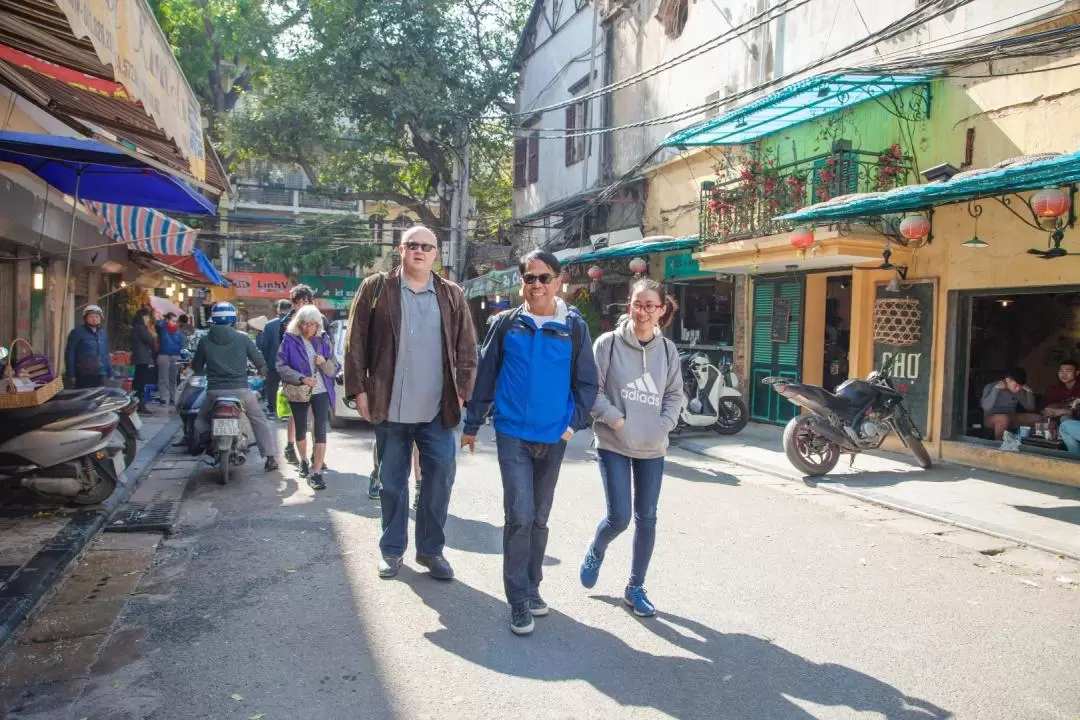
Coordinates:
<point>341,413</point>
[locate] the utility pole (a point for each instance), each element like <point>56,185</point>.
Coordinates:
<point>450,250</point>
<point>463,211</point>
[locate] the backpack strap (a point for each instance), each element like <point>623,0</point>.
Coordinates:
<point>503,324</point>
<point>379,284</point>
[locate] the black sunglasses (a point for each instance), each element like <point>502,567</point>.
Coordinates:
<point>543,278</point>
<point>426,247</point>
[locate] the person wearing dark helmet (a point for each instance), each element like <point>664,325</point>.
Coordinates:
<point>223,356</point>
<point>87,355</point>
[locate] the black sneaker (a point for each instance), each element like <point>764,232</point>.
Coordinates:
<point>437,566</point>
<point>389,565</point>
<point>316,481</point>
<point>537,606</point>
<point>271,465</point>
<point>521,619</point>
<point>290,455</point>
<point>325,467</point>
<point>305,469</point>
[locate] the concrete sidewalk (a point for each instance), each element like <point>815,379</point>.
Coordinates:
<point>1041,515</point>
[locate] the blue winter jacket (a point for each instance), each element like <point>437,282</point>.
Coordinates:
<point>87,353</point>
<point>170,343</point>
<point>538,387</point>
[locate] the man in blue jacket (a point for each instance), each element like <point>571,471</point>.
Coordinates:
<point>87,356</point>
<point>537,367</point>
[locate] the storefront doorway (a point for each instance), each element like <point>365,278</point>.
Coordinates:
<point>837,331</point>
<point>776,344</point>
<point>998,331</point>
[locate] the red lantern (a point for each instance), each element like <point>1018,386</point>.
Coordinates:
<point>595,273</point>
<point>802,238</point>
<point>1050,203</point>
<point>638,266</point>
<point>915,227</point>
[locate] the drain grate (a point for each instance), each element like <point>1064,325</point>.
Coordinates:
<point>143,517</point>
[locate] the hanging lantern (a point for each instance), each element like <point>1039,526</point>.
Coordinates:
<point>1050,203</point>
<point>802,238</point>
<point>638,265</point>
<point>915,227</point>
<point>595,273</point>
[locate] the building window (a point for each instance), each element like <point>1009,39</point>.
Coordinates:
<point>376,223</point>
<point>672,14</point>
<point>400,225</point>
<point>577,120</point>
<point>527,160</point>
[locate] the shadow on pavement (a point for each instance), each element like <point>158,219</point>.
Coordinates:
<point>1064,513</point>
<point>693,474</point>
<point>733,676</point>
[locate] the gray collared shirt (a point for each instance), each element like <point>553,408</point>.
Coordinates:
<point>418,372</point>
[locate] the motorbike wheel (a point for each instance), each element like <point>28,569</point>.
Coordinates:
<point>732,417</point>
<point>223,467</point>
<point>809,453</point>
<point>131,443</point>
<point>911,438</point>
<point>100,492</point>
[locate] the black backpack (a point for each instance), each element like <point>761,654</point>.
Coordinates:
<point>505,320</point>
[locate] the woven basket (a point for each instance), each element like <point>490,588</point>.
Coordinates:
<point>39,395</point>
<point>897,321</point>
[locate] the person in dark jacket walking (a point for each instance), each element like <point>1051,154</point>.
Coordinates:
<point>223,357</point>
<point>410,361</point>
<point>269,342</point>
<point>170,344</point>
<point>538,407</point>
<point>87,356</point>
<point>306,358</point>
<point>143,350</point>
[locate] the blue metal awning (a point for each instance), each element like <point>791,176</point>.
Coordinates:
<point>1029,172</point>
<point>799,103</point>
<point>641,247</point>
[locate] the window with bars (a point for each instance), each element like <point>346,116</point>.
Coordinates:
<point>577,120</point>
<point>527,160</point>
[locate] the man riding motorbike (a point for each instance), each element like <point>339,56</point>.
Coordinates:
<point>223,356</point>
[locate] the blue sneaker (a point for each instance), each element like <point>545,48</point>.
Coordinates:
<point>590,569</point>
<point>636,598</point>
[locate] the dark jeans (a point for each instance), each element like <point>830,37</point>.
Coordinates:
<point>319,409</point>
<point>438,464</point>
<point>145,374</point>
<point>616,471</point>
<point>89,381</point>
<point>529,474</point>
<point>270,388</point>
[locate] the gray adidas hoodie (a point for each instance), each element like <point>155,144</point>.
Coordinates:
<point>641,385</point>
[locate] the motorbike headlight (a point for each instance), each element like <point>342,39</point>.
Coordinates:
<point>198,381</point>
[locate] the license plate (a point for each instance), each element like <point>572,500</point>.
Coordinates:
<point>118,463</point>
<point>226,427</point>
<point>136,421</point>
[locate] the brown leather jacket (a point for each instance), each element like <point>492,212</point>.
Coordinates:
<point>371,369</point>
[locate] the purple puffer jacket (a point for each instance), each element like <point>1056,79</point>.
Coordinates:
<point>293,365</point>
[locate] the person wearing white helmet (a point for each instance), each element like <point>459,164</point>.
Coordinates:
<point>87,356</point>
<point>223,356</point>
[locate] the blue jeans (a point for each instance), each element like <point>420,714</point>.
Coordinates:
<point>1069,430</point>
<point>529,474</point>
<point>438,465</point>
<point>616,471</point>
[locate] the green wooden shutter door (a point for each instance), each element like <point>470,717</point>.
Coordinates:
<point>769,358</point>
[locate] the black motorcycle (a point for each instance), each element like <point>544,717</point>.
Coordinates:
<point>858,417</point>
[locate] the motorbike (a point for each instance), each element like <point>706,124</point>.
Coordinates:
<point>856,418</point>
<point>63,449</point>
<point>126,406</point>
<point>192,393</point>
<point>230,435</point>
<point>712,394</point>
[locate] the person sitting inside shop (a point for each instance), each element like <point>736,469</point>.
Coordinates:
<point>1063,402</point>
<point>1009,403</point>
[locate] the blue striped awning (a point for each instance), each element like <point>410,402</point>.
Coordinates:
<point>143,229</point>
<point>796,104</point>
<point>1030,172</point>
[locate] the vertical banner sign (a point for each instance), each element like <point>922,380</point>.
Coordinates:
<point>903,343</point>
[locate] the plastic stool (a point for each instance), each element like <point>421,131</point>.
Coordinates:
<point>146,393</point>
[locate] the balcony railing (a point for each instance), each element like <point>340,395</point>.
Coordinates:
<point>295,198</point>
<point>745,206</point>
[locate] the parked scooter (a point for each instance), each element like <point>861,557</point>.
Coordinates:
<point>712,394</point>
<point>858,417</point>
<point>192,393</point>
<point>126,406</point>
<point>62,449</point>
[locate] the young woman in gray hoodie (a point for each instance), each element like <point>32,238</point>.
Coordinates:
<point>638,404</point>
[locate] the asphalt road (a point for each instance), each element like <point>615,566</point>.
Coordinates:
<point>773,605</point>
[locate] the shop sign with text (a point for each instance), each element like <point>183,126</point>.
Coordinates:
<point>336,290</point>
<point>260,285</point>
<point>909,364</point>
<point>683,266</point>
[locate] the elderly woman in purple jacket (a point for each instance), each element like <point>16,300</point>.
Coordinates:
<point>306,360</point>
